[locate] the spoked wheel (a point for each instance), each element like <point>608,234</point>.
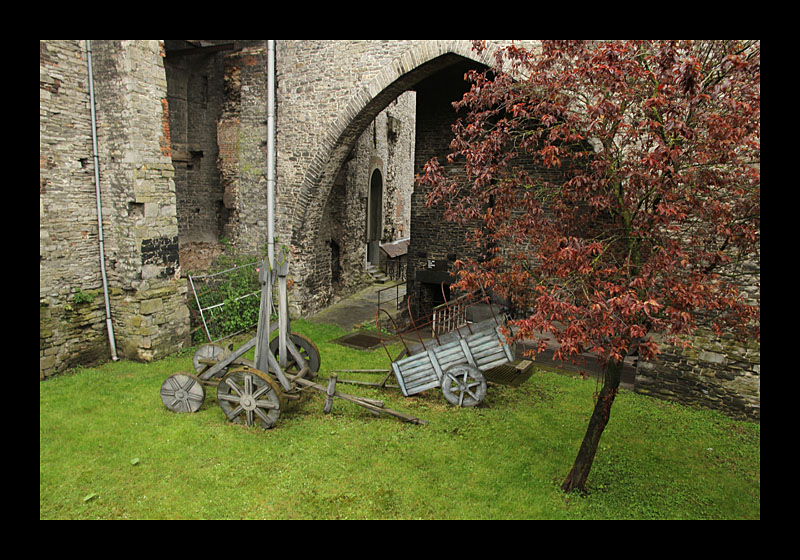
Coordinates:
<point>250,397</point>
<point>212,352</point>
<point>464,385</point>
<point>182,392</point>
<point>308,350</point>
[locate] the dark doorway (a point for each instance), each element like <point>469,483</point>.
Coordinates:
<point>374,217</point>
<point>336,264</point>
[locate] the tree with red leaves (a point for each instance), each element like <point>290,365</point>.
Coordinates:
<point>615,192</point>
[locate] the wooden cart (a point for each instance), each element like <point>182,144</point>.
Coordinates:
<point>460,355</point>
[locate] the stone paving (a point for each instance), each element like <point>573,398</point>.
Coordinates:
<point>361,307</point>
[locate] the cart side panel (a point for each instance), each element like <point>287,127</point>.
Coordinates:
<point>488,349</point>
<point>415,374</point>
<point>428,384</point>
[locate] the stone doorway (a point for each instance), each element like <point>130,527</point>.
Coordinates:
<point>374,218</point>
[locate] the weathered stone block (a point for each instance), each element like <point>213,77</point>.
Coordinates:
<point>149,306</point>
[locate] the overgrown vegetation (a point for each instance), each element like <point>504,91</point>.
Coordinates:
<point>108,449</point>
<point>232,288</point>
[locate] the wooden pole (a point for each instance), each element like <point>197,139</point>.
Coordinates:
<point>263,330</point>
<point>283,313</point>
<point>361,401</point>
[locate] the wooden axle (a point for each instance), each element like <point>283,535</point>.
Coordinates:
<point>372,405</point>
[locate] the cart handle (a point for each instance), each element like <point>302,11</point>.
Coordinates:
<point>488,301</point>
<point>378,328</point>
<point>414,324</point>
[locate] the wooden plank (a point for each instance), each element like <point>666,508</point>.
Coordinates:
<point>488,354</point>
<point>362,402</point>
<point>369,383</point>
<point>411,360</point>
<point>263,330</point>
<point>421,378</point>
<point>424,387</point>
<point>399,378</point>
<point>467,352</point>
<point>427,374</point>
<point>506,347</point>
<point>482,341</point>
<point>329,394</point>
<point>452,361</point>
<point>448,349</point>
<point>500,355</point>
<point>482,336</point>
<point>361,371</point>
<point>407,372</point>
<point>486,350</point>
<point>435,364</point>
<point>494,364</point>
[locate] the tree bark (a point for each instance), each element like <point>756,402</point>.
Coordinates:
<point>576,479</point>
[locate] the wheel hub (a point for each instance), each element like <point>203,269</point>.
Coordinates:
<point>247,402</point>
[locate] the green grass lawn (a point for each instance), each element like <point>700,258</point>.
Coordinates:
<point>109,449</point>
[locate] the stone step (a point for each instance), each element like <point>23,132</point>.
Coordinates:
<point>377,276</point>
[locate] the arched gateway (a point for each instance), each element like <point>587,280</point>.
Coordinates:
<point>399,66</point>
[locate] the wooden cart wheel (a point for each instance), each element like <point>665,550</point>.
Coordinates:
<point>250,397</point>
<point>182,392</point>
<point>308,350</point>
<point>207,352</point>
<point>464,385</point>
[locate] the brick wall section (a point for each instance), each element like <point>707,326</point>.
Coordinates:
<point>435,243</point>
<point>164,141</point>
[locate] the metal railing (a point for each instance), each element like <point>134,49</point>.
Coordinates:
<point>451,315</point>
<point>398,297</point>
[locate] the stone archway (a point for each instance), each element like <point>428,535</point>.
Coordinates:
<point>423,59</point>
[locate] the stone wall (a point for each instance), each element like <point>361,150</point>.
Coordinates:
<point>721,374</point>
<point>71,311</point>
<point>386,146</point>
<point>140,231</point>
<point>195,97</point>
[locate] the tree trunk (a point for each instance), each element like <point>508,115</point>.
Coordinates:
<point>602,409</point>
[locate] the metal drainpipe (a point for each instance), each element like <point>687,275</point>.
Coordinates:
<point>109,326</point>
<point>271,153</point>
<point>262,345</point>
